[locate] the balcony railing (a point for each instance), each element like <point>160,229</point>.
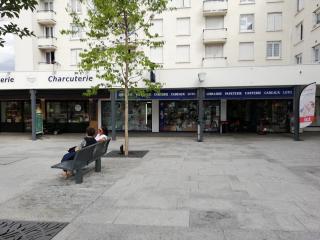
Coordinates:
<point>47,43</point>
<point>215,7</point>
<point>214,62</point>
<point>214,35</point>
<point>46,17</point>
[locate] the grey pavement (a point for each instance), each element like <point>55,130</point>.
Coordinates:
<point>229,187</point>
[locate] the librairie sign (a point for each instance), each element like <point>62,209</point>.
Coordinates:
<point>249,93</point>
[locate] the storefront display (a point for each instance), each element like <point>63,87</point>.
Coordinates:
<point>178,116</point>
<point>64,116</point>
<point>259,115</point>
<point>140,115</point>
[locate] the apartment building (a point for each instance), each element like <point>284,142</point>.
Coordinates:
<point>242,58</point>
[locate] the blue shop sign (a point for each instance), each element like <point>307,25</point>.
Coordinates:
<point>249,93</point>
<point>166,94</point>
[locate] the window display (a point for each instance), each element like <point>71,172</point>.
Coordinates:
<point>178,116</point>
<point>11,112</point>
<point>57,112</point>
<point>140,115</point>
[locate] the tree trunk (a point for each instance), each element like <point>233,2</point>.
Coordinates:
<point>126,122</point>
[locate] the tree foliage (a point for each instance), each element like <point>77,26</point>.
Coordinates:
<point>10,9</point>
<point>117,35</point>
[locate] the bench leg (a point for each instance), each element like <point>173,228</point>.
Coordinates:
<point>79,177</point>
<point>98,165</point>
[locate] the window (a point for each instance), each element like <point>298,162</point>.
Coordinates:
<point>214,51</point>
<point>183,54</point>
<point>76,6</point>
<point>274,49</point>
<point>214,22</point>
<point>182,3</point>
<point>299,32</point>
<point>317,17</point>
<point>246,22</point>
<point>76,32</point>
<point>156,54</point>
<point>274,22</point>
<point>50,59</point>
<point>183,26</point>
<point>246,51</point>
<point>48,5</point>
<point>299,58</point>
<point>157,27</point>
<point>316,53</point>
<point>48,32</point>
<point>75,56</point>
<point>299,5</point>
<point>246,1</point>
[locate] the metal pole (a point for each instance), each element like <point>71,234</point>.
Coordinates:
<point>113,114</point>
<point>296,108</point>
<point>33,113</point>
<point>200,115</point>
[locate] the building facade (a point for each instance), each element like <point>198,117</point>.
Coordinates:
<point>243,58</point>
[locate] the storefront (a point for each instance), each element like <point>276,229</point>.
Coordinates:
<point>255,109</point>
<point>61,110</point>
<point>140,115</point>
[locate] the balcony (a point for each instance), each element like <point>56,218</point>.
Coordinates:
<point>46,17</point>
<point>47,66</point>
<point>214,62</point>
<point>47,43</point>
<point>215,7</point>
<point>214,35</point>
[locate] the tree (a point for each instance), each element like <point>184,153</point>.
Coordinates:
<point>117,32</point>
<point>10,10</point>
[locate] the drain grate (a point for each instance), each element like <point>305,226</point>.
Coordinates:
<point>23,230</point>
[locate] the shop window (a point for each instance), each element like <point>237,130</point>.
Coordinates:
<point>140,115</point>
<point>57,112</point>
<point>176,116</point>
<point>78,112</point>
<point>11,112</point>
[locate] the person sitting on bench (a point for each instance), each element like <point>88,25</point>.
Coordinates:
<point>87,141</point>
<point>102,134</point>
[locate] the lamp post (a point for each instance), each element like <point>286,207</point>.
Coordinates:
<point>200,94</point>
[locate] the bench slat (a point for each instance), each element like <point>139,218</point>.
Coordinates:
<point>66,165</point>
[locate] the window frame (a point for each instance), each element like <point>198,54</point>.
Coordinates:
<point>253,23</point>
<point>273,57</point>
<point>316,54</point>
<point>189,27</point>
<point>274,25</point>
<point>246,59</point>
<point>189,48</point>
<point>77,61</point>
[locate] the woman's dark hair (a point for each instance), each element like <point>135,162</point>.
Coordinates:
<point>90,131</point>
<point>105,130</point>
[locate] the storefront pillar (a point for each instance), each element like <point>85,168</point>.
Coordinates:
<point>113,114</point>
<point>33,113</point>
<point>155,115</point>
<point>200,114</point>
<point>296,113</point>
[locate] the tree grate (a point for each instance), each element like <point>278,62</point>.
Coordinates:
<point>25,230</point>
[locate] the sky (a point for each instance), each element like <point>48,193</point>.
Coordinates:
<point>7,53</point>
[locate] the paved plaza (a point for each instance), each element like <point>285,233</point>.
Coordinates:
<point>230,187</point>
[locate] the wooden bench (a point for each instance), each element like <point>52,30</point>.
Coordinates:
<point>84,157</point>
